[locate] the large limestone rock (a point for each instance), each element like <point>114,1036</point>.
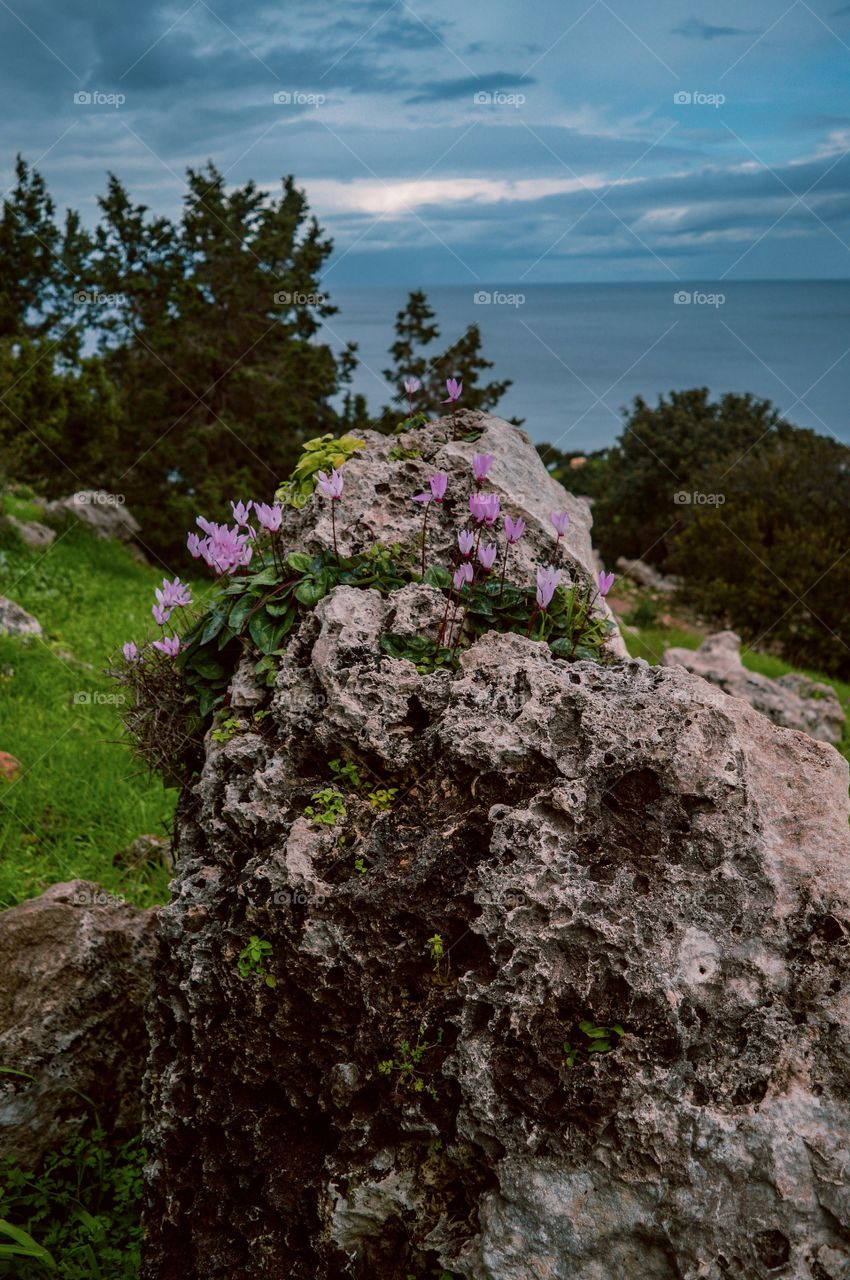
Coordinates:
<point>616,844</point>
<point>794,701</point>
<point>76,965</point>
<point>377,504</point>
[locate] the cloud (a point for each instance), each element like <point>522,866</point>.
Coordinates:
<point>468,86</point>
<point>694,29</point>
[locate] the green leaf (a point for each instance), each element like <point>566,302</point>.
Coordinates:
<point>299,561</point>
<point>214,624</point>
<point>266,632</point>
<point>309,594</point>
<point>240,611</point>
<point>437,576</point>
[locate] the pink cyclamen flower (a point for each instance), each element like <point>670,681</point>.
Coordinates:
<point>161,614</point>
<point>173,595</point>
<point>193,542</point>
<point>225,549</point>
<point>454,389</point>
<point>411,385</point>
<point>547,581</point>
<point>606,582</point>
<point>560,519</point>
<point>481,464</point>
<point>463,573</point>
<point>241,511</point>
<point>268,517</point>
<point>487,556</point>
<point>465,541</point>
<point>130,652</point>
<point>486,507</point>
<point>169,645</point>
<point>438,485</point>
<point>331,485</point>
<point>514,529</point>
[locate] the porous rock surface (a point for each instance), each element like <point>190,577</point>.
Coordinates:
<point>617,843</point>
<point>793,700</point>
<point>76,965</point>
<point>377,503</point>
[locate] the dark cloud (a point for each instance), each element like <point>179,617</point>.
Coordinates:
<point>468,86</point>
<point>695,29</point>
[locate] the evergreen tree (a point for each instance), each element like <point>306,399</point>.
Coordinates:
<point>213,345</point>
<point>416,330</point>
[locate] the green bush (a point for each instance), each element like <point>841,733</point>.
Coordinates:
<point>774,559</point>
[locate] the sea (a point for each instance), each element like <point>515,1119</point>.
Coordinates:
<point>578,354</point>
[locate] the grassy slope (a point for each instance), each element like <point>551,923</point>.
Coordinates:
<point>81,797</point>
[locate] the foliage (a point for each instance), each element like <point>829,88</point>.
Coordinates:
<point>208,372</point>
<point>406,1065</point>
<point>251,961</point>
<point>772,561</point>
<point>665,451</point>
<point>425,654</point>
<point>597,1039</point>
<point>382,798</point>
<point>328,807</point>
<point>437,951</point>
<point>227,729</point>
<point>322,454</point>
<point>82,1207</point>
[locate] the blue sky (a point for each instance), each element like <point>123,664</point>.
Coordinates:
<point>564,140</point>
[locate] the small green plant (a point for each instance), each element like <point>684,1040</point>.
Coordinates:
<point>425,654</point>
<point>227,729</point>
<point>346,773</point>
<point>324,453</point>
<point>601,1039</point>
<point>437,951</point>
<point>410,424</point>
<point>382,798</point>
<point>78,1216</point>
<point>399,453</point>
<point>406,1066</point>
<point>327,808</point>
<point>360,866</point>
<point>251,961</point>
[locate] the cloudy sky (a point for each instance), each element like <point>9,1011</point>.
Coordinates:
<point>445,142</point>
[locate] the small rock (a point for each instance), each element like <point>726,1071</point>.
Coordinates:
<point>144,851</point>
<point>32,533</point>
<point>645,576</point>
<point>15,621</point>
<point>793,701</point>
<point>104,512</point>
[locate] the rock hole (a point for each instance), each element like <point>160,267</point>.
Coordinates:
<point>417,718</point>
<point>773,1249</point>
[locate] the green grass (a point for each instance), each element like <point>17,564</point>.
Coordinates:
<point>82,797</point>
<point>651,642</point>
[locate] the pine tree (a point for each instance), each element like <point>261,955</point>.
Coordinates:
<point>416,329</point>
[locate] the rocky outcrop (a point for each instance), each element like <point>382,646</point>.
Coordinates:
<point>403,1078</point>
<point>15,621</point>
<point>377,505</point>
<point>105,513</point>
<point>793,700</point>
<point>76,966</point>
